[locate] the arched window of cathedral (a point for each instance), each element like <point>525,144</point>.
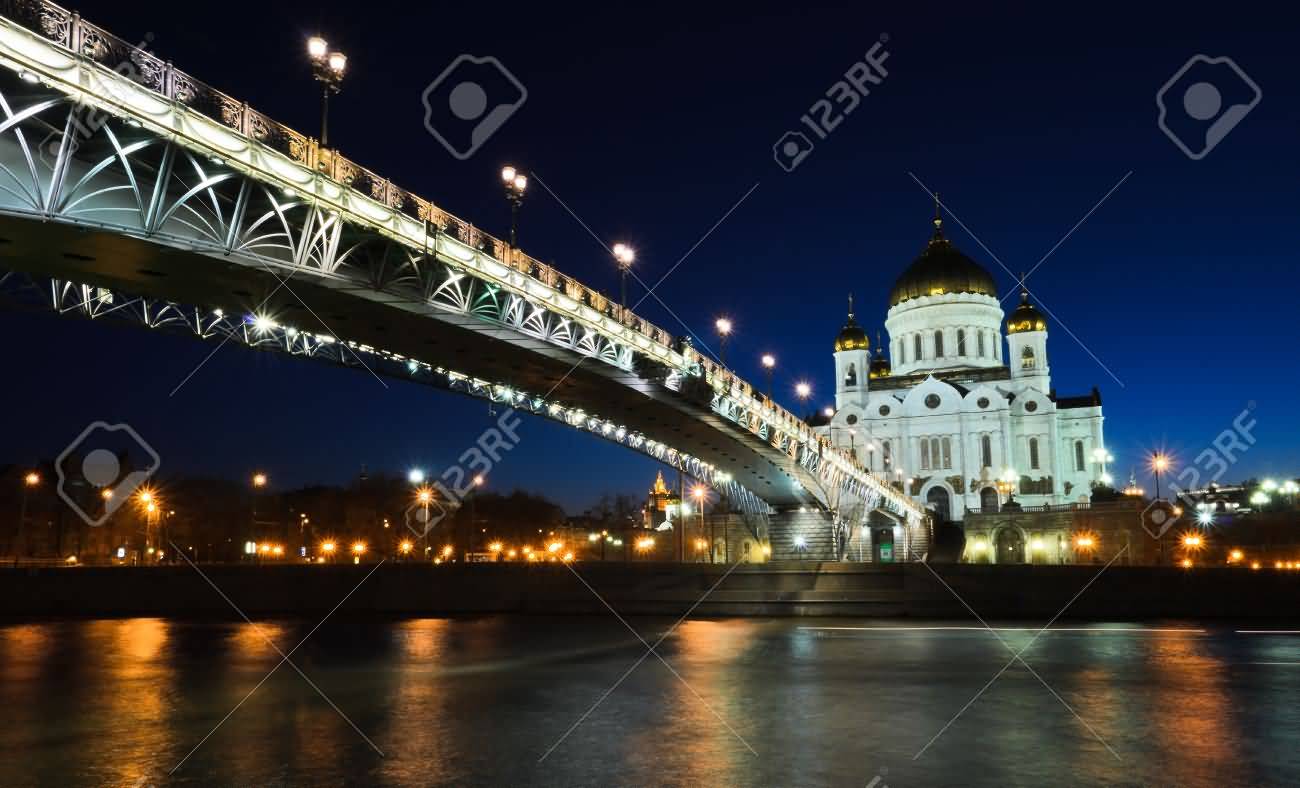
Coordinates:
<point>851,377</point>
<point>916,347</point>
<point>979,343</point>
<point>938,344</point>
<point>886,458</point>
<point>925,454</point>
<point>1027,358</point>
<point>900,351</point>
<point>997,346</point>
<point>947,453</point>
<point>961,342</point>
<point>1078,456</point>
<point>1033,453</point>
<point>986,452</point>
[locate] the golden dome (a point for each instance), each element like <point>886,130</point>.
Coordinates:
<point>851,336</point>
<point>1026,317</point>
<point>941,268</point>
<point>880,362</point>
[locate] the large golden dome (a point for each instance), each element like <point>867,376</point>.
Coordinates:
<point>940,269</point>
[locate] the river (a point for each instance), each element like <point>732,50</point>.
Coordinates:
<point>581,701</point>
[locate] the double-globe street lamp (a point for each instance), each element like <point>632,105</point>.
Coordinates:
<point>515,183</point>
<point>769,364</point>
<point>723,326</point>
<point>624,256</point>
<point>327,67</point>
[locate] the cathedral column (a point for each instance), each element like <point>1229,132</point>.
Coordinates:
<point>1058,484</point>
<point>1004,421</point>
<point>959,461</point>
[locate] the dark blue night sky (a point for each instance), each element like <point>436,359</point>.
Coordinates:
<point>1176,298</point>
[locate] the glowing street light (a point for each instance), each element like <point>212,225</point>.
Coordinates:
<point>515,183</point>
<point>405,547</point>
<point>624,256</point>
<point>327,68</point>
<point>31,479</point>
<point>769,366</point>
<point>1159,464</point>
<point>1085,543</point>
<point>415,476</point>
<point>723,326</point>
<point>802,390</point>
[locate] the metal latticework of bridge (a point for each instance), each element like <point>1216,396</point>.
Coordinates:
<point>131,191</point>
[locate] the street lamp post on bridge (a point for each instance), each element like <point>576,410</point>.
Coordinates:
<point>624,255</point>
<point>515,183</point>
<point>327,68</point>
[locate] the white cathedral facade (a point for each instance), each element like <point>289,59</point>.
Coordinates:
<point>960,420</point>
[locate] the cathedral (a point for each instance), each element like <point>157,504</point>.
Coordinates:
<point>962,417</point>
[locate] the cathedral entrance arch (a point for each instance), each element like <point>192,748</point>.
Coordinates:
<point>1011,546</point>
<point>988,500</point>
<point>939,500</point>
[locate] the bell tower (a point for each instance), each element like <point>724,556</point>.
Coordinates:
<point>852,363</point>
<point>1027,345</point>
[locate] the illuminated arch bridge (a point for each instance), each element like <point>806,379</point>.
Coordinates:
<point>131,191</point>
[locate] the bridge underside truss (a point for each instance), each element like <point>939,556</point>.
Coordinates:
<point>97,303</point>
<point>77,149</point>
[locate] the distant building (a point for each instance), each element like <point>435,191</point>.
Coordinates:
<point>662,507</point>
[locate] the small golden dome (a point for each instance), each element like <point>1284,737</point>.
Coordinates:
<point>1026,317</point>
<point>879,362</point>
<point>851,337</point>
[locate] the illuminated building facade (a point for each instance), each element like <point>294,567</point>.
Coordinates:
<point>955,410</point>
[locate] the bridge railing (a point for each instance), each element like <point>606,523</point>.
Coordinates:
<point>93,43</point>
